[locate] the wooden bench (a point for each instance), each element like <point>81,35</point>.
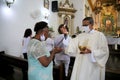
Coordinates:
<point>22,64</point>
<point>12,62</point>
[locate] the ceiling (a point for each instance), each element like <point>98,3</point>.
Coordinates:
<point>106,3</point>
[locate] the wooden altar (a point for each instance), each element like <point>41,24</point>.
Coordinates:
<point>113,64</point>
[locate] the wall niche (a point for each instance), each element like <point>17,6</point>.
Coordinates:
<point>66,15</point>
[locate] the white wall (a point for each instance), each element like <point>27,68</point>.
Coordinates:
<point>80,14</point>
<point>14,20</point>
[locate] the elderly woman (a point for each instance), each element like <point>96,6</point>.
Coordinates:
<point>40,63</point>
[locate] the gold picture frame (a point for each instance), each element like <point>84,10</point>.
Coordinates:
<point>46,4</point>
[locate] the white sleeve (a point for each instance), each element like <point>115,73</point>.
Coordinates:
<point>40,50</point>
<point>92,57</point>
<point>72,47</point>
<point>102,53</point>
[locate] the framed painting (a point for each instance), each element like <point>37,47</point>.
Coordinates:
<point>46,4</point>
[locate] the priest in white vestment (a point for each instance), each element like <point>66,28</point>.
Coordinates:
<point>89,63</point>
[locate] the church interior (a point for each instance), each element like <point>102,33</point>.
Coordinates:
<point>17,15</point>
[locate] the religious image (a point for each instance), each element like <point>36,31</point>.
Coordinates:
<point>46,4</point>
<point>108,21</point>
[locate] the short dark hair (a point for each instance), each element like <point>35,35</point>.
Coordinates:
<point>60,26</point>
<point>40,25</point>
<point>27,32</point>
<point>90,19</point>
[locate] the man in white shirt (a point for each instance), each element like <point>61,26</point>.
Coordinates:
<point>62,57</point>
<point>92,53</point>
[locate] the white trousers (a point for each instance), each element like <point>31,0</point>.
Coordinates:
<point>66,63</point>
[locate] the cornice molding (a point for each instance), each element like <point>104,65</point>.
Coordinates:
<point>67,10</point>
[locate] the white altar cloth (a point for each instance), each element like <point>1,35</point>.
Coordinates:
<point>113,40</point>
